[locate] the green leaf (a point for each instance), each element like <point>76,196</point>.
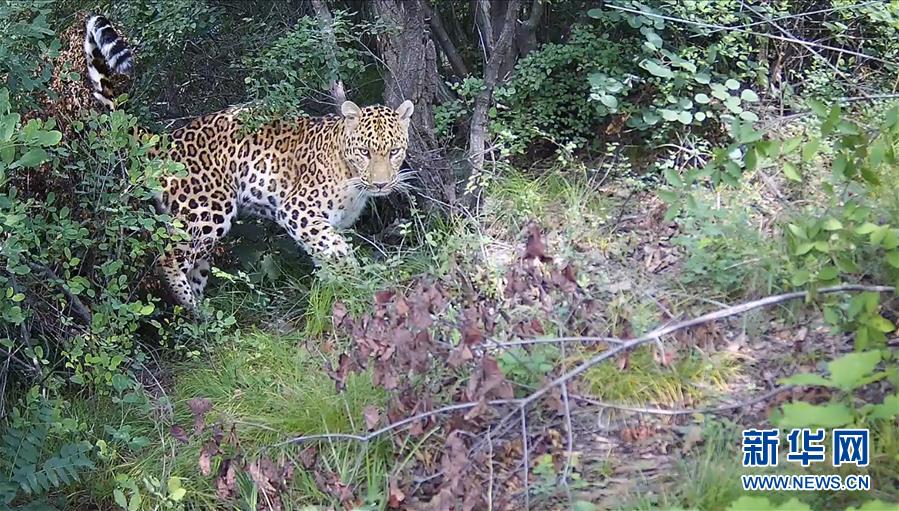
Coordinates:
<point>673,178</point>
<point>583,505</point>
<point>803,415</point>
<point>120,499</point>
<point>879,234</point>
<point>833,118</point>
<point>866,228</point>
<point>668,115</point>
<point>49,138</point>
<point>849,371</point>
<point>798,231</point>
<point>34,157</point>
<point>594,13</point>
<point>832,224</point>
<point>702,99</point>
<point>685,117</point>
<point>881,324</point>
<point>8,125</point>
<point>657,69</point>
<point>810,149</point>
<point>732,84</point>
<point>818,107</point>
<point>609,101</point>
<point>807,379</point>
<point>703,78</point>
<point>893,259</point>
<point>791,145</point>
<point>178,494</point>
<point>749,96</point>
<point>888,409</point>
<point>792,172</point>
<point>135,502</point>
<point>653,39</point>
<point>828,273</point>
<point>147,309</point>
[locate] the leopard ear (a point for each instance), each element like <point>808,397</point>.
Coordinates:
<point>351,112</point>
<point>405,112</point>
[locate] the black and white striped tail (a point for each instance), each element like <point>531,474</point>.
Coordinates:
<point>107,55</point>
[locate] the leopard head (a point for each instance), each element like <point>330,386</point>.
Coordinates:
<point>374,145</point>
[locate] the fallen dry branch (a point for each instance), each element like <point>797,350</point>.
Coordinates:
<point>705,318</point>
<point>623,345</point>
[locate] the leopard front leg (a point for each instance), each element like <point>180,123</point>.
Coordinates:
<point>316,235</point>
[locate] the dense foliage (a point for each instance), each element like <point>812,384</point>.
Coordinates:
<point>698,104</point>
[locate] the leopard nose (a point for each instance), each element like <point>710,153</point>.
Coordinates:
<point>380,185</point>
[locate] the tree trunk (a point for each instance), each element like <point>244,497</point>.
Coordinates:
<point>410,62</point>
<point>323,14</point>
<point>477,141</point>
<point>527,36</point>
<point>446,43</point>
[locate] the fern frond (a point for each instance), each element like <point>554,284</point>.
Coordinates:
<point>56,471</point>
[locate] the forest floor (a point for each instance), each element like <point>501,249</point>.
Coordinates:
<point>634,434</point>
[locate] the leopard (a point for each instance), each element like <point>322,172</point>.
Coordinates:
<point>312,176</point>
<point>96,46</point>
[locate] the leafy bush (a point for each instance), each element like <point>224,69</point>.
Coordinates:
<point>26,46</point>
<point>301,63</point>
<point>547,98</point>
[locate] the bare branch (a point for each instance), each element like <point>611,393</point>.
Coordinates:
<point>78,308</point>
<point>705,318</point>
<point>684,411</point>
<point>751,32</point>
<point>396,425</point>
<point>446,43</point>
<point>478,128</point>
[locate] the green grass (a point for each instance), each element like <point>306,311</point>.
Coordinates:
<point>554,197</point>
<point>271,389</point>
<point>689,379</point>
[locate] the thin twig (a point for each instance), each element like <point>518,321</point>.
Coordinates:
<point>553,340</point>
<point>751,32</point>
<point>623,346</point>
<point>526,458</point>
<point>801,15</point>
<point>705,318</point>
<point>395,425</point>
<point>684,411</point>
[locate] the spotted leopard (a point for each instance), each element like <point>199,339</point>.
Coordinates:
<point>312,176</point>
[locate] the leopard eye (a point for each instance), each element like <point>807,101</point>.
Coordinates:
<point>395,151</point>
<point>365,152</point>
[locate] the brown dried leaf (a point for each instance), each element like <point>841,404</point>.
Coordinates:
<point>308,457</point>
<point>339,315</point>
<point>637,434</point>
<point>199,406</point>
<point>455,457</point>
<point>459,356</point>
<point>179,434</point>
<point>209,450</point>
<point>489,382</point>
<point>267,477</point>
<point>401,307</point>
<point>395,496</point>
<point>372,416</point>
<point>663,357</point>
<point>226,482</point>
<point>382,297</point>
<point>344,365</point>
<point>534,247</point>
